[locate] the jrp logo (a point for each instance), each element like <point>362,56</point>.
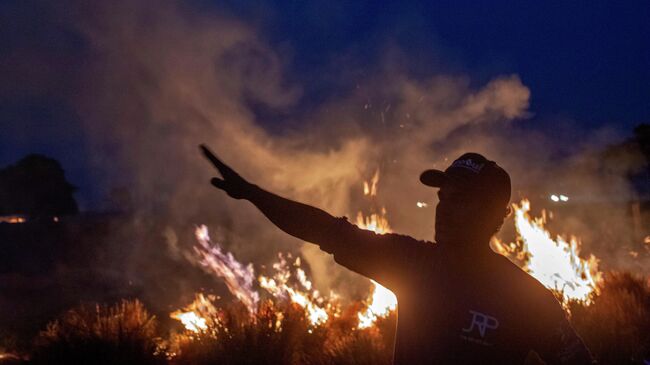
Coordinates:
<point>482,322</point>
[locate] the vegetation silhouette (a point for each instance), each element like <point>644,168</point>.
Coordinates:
<point>36,187</point>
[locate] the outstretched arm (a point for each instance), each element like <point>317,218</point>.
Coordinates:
<point>303,221</point>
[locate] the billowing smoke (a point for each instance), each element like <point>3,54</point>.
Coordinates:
<point>161,80</point>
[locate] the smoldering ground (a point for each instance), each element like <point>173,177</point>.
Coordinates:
<point>157,81</point>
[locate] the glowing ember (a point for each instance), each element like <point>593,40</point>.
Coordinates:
<point>554,262</point>
<point>239,278</point>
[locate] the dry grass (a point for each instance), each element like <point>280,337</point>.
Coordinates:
<point>121,334</point>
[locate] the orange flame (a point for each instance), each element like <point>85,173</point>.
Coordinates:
<point>556,263</point>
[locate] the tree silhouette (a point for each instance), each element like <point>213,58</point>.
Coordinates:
<point>36,186</point>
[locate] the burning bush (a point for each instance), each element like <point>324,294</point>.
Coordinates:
<point>121,334</point>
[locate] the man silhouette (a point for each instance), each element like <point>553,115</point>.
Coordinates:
<point>458,302</point>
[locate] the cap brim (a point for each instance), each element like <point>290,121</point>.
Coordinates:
<point>434,178</point>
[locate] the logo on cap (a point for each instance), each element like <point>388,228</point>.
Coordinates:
<point>469,164</point>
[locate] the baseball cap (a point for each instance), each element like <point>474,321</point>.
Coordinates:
<point>473,172</point>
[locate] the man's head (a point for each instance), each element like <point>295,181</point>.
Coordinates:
<point>474,199</point>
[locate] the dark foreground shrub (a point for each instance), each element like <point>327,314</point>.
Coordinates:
<point>616,326</point>
<point>122,334</point>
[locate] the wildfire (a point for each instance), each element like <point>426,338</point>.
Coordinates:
<point>556,263</point>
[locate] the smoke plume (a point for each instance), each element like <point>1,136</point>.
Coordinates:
<point>161,80</point>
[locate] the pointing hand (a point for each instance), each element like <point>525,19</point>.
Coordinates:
<point>230,182</point>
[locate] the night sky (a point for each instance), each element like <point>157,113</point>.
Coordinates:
<point>585,63</point>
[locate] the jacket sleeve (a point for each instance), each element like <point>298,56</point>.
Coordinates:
<point>385,258</point>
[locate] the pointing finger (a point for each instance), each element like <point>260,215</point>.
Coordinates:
<point>214,159</point>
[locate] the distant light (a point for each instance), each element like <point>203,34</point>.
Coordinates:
<point>56,219</point>
<point>559,198</point>
<point>421,204</point>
